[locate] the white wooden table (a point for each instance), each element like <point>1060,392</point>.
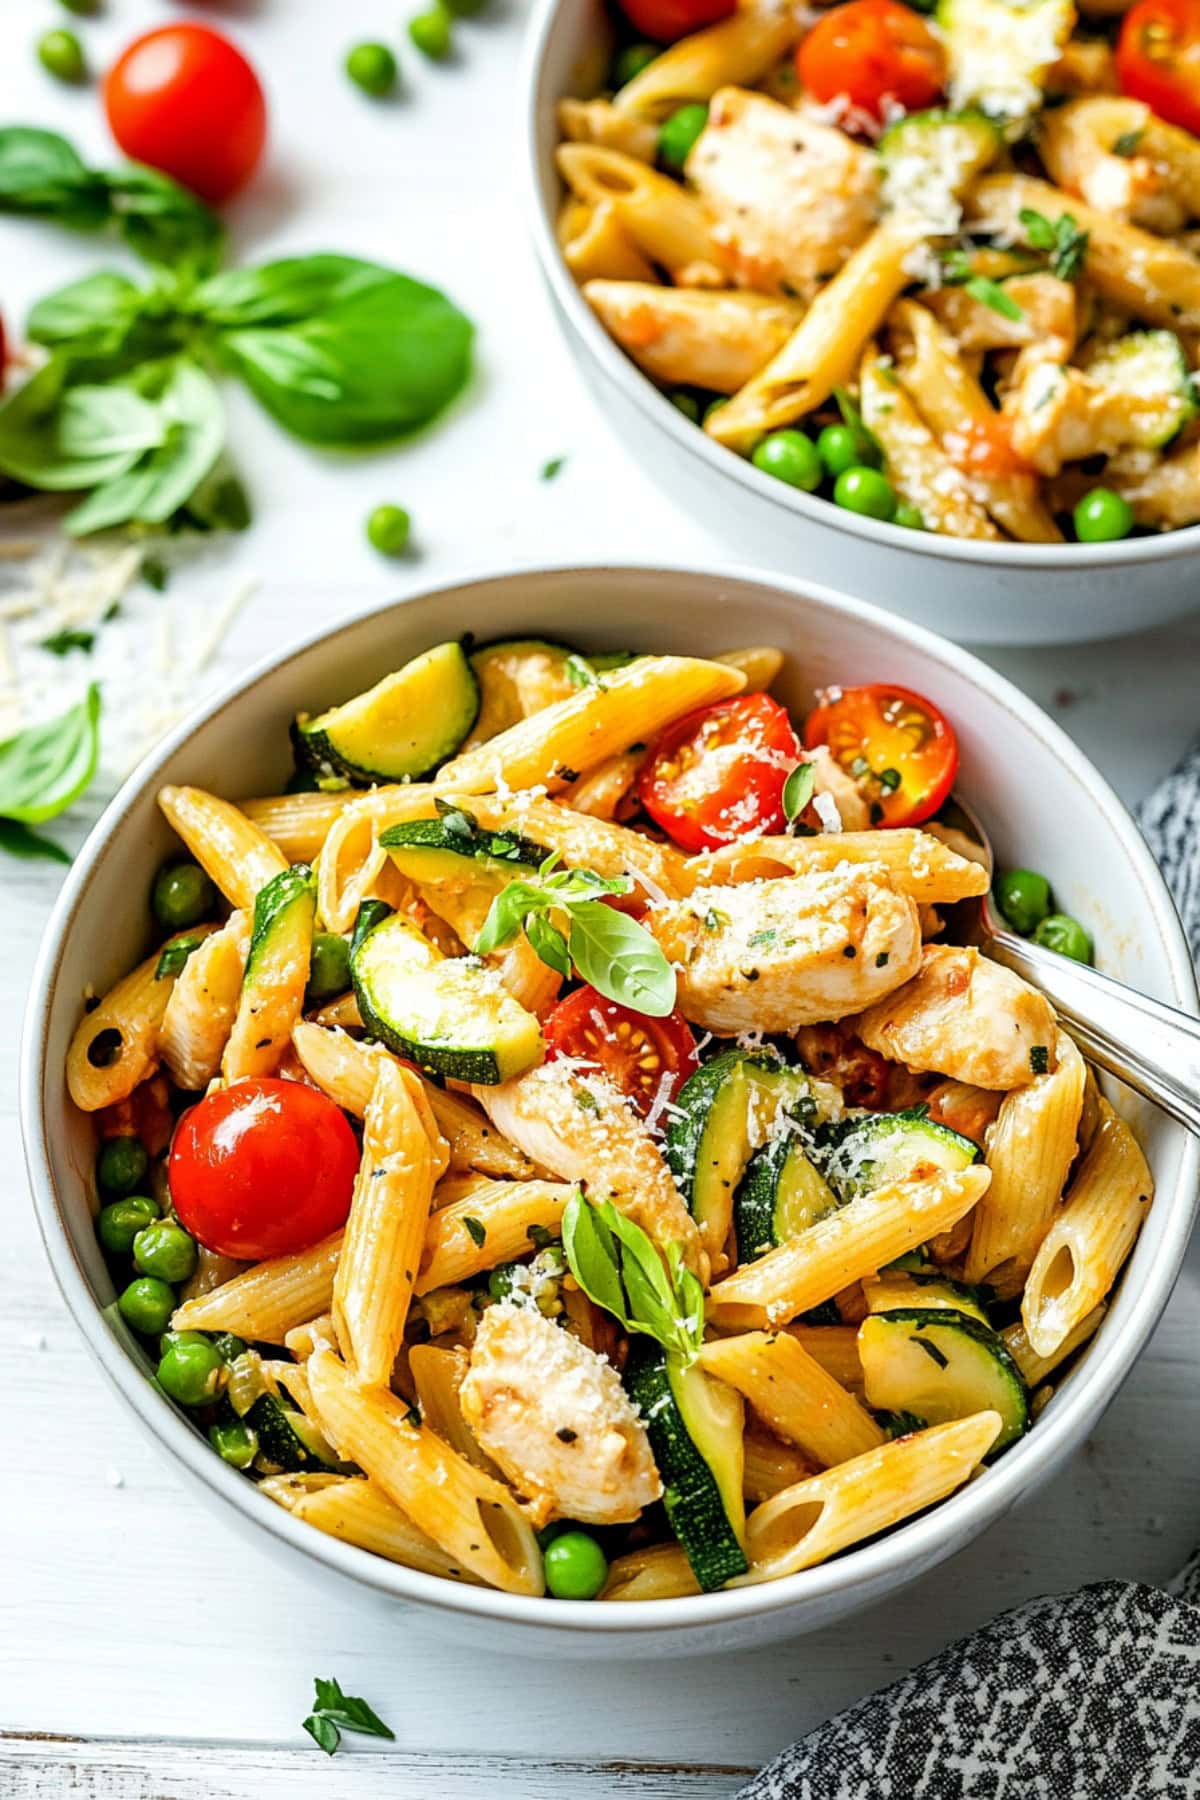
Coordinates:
<point>145,1650</point>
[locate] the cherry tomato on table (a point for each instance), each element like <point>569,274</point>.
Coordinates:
<point>648,1059</point>
<point>897,746</point>
<point>186,101</point>
<point>717,775</point>
<point>666,20</point>
<point>872,51</point>
<point>1158,59</point>
<point>263,1168</point>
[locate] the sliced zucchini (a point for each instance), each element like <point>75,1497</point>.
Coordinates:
<point>941,1366</point>
<point>695,1428</point>
<point>284,912</point>
<point>451,1015</point>
<point>724,1112</point>
<point>400,729</point>
<point>286,1438</point>
<point>895,1290</point>
<point>1000,52</point>
<point>453,849</point>
<point>873,1152</point>
<point>781,1194</point>
<point>930,159</point>
<point>1149,372</point>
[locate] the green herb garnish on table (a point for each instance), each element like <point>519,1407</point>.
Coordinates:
<point>334,1712</point>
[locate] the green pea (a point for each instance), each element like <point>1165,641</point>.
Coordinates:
<point>1102,516</point>
<point>1066,935</point>
<point>191,1372</point>
<point>235,1443</point>
<point>430,32</point>
<point>181,1337</point>
<point>715,406</point>
<point>121,1166</point>
<point>164,1250</point>
<point>388,527</point>
<point>911,517</point>
<point>61,55</point>
<point>500,1284</point>
<point>118,1224</point>
<point>687,404</point>
<point>790,457</point>
<point>329,967</point>
<point>82,9</point>
<point>1023,896</point>
<point>865,491</point>
<point>679,132</point>
<point>227,1346</point>
<point>372,67</point>
<point>841,447</point>
<point>576,1566</point>
<point>182,896</point>
<point>146,1305</point>
<point>631,61</point>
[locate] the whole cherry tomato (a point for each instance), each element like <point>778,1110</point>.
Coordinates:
<point>648,1059</point>
<point>666,20</point>
<point>717,775</point>
<point>872,51</point>
<point>896,745</point>
<point>263,1168</point>
<point>1158,59</point>
<point>186,101</point>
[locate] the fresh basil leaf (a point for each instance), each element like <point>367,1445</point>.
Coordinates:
<point>91,317</point>
<point>31,846</point>
<point>506,915</point>
<point>548,944</point>
<point>286,292</point>
<point>220,503</point>
<point>31,444</point>
<point>334,1712</point>
<point>592,1257</point>
<point>621,1269</point>
<point>370,366</point>
<point>990,293</point>
<point>798,789</point>
<point>620,959</point>
<point>323,1732</point>
<point>163,478</point>
<point>40,174</point>
<point>45,767</point>
<point>161,221</point>
<point>1038,229</point>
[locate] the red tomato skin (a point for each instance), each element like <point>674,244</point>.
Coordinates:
<point>186,101</point>
<point>903,807</point>
<point>667,20</point>
<point>1158,59</point>
<point>582,1024</point>
<point>748,800</point>
<point>872,51</point>
<point>263,1168</point>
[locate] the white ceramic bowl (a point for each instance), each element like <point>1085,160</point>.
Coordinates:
<point>979,593</point>
<point>1046,806</point>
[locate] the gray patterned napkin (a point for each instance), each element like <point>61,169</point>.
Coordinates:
<point>1086,1696</point>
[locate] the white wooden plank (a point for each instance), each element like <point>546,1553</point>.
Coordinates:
<point>37,1769</point>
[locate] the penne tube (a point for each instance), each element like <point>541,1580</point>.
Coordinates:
<point>856,1240</point>
<point>346,1070</point>
<point>275,977</point>
<point>1030,1149</point>
<point>824,350</point>
<point>835,1347</point>
<point>437,1376</point>
<point>759,663</point>
<point>211,1271</point>
<point>917,863</point>
<point>318,1334</point>
<point>581,840</point>
<point>532,983</point>
<point>1082,1253</point>
<point>694,337</point>
<point>469,1515</point>
<point>600,122</point>
<point>298,824</point>
<point>918,467</point>
<point>660,1572</point>
<point>597,249</point>
<point>1035,1368</point>
<point>117,1045</point>
<point>270,1299</point>
<point>796,1397</point>
<point>555,746</point>
<point>359,1512</point>
<point>666,223</point>
<point>490,1225</point>
<point>736,52</point>
<point>385,1231</point>
<point>844,1505</point>
<point>769,1465</point>
<point>231,849</point>
<point>603,793</point>
<point>203,1005</point>
<point>353,867</point>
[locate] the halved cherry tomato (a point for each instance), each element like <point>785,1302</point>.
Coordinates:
<point>717,775</point>
<point>872,51</point>
<point>186,101</point>
<point>1158,59</point>
<point>666,20</point>
<point>897,746</point>
<point>648,1059</point>
<point>263,1168</point>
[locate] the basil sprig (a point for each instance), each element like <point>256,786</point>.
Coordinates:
<point>623,1271</point>
<point>339,351</point>
<point>334,1712</point>
<point>44,768</point>
<point>607,949</point>
<point>798,790</point>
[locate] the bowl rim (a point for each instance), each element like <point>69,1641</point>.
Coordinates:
<point>656,408</point>
<point>924,1540</point>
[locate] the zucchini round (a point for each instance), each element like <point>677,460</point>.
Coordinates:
<point>941,1366</point>
<point>402,728</point>
<point>886,1147</point>
<point>781,1194</point>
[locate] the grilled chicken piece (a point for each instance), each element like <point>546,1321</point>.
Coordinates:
<point>556,1419</point>
<point>775,955</point>
<point>572,1120</point>
<point>967,1017</point>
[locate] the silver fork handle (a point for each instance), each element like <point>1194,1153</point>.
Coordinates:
<point>1154,1049</point>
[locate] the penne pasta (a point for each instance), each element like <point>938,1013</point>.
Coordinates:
<point>1035,1368</point>
<point>117,1044</point>
<point>600,122</point>
<point>389,1215</point>
<point>692,336</point>
<point>769,1465</point>
<point>835,1347</point>
<point>918,467</point>
<point>347,1070</point>
<point>794,1394</point>
<point>917,864</point>
<point>437,1377</point>
<point>759,663</point>
<point>597,249</point>
<point>490,1225</point>
<point>298,824</point>
<point>581,840</point>
<point>203,1005</point>
<point>231,849</point>
<point>667,224</point>
<point>603,793</point>
<point>736,52</point>
<point>359,1512</point>
<point>661,1572</point>
<point>269,1299</point>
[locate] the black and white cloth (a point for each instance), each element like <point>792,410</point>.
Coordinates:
<point>1086,1696</point>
